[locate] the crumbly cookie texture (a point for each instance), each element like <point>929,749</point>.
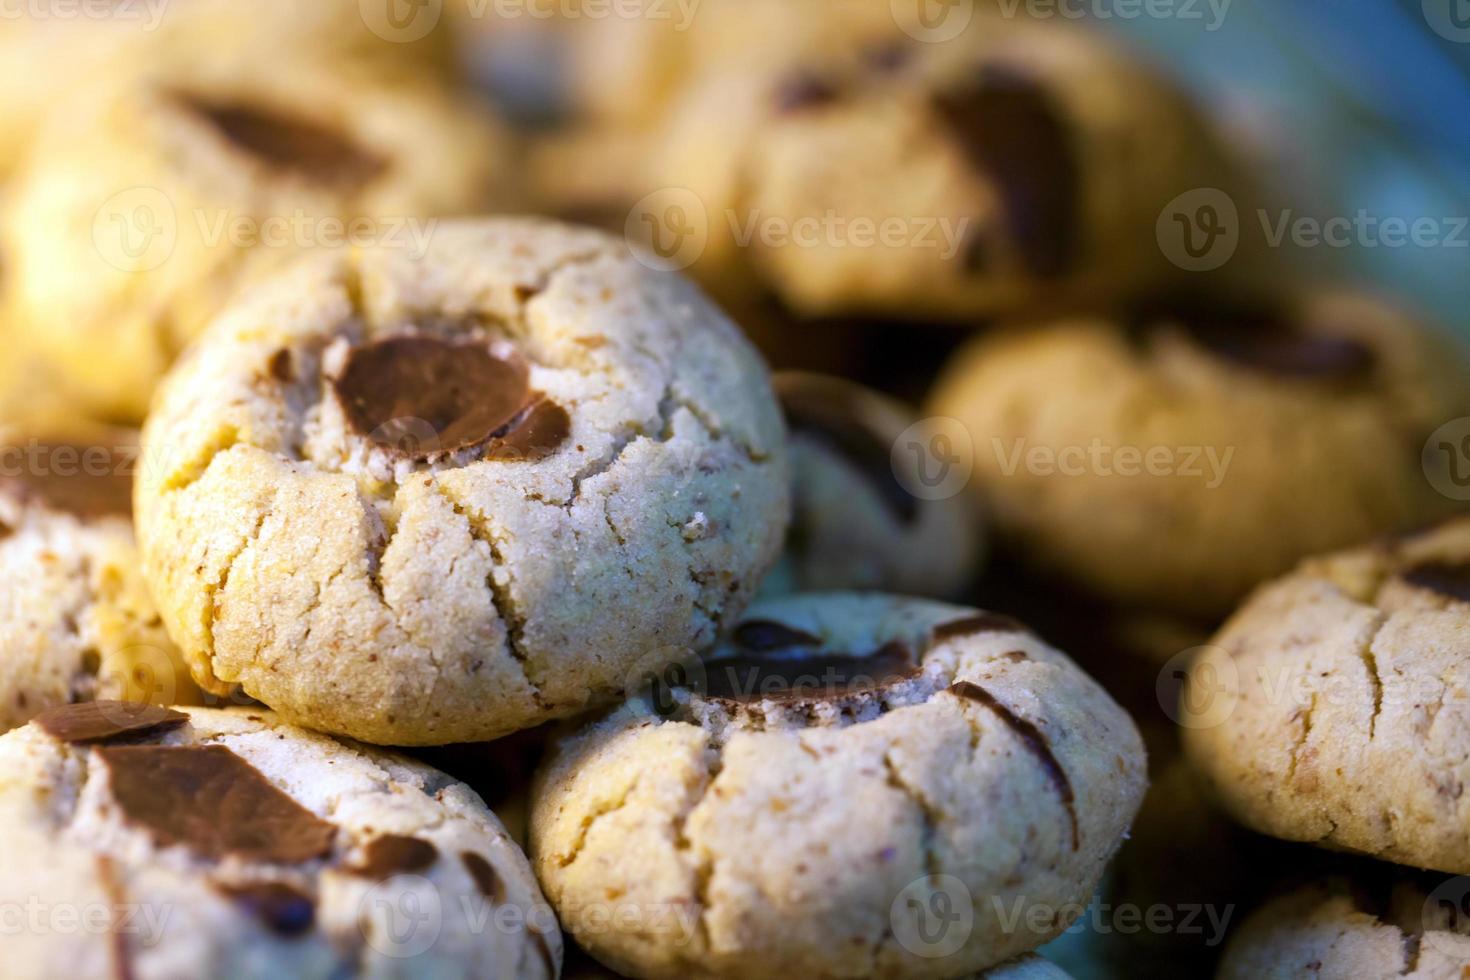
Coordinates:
<point>855,523</point>
<point>1180,455</point>
<point>834,766</point>
<point>1343,929</point>
<point>423,500</point>
<point>225,843</point>
<point>146,203</point>
<point>76,619</point>
<point>1330,708</point>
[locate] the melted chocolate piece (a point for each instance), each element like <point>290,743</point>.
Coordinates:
<point>75,480</point>
<point>808,677</point>
<point>1449,579</point>
<point>313,151</point>
<point>765,636</point>
<point>973,625</point>
<point>392,854</point>
<point>102,721</point>
<point>284,910</point>
<point>1009,129</point>
<point>469,397</point>
<point>1035,743</point>
<point>830,415</point>
<point>804,90</point>
<point>208,799</point>
<point>486,879</point>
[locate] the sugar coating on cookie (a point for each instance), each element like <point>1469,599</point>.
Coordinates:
<point>1330,708</point>
<point>209,843</point>
<point>1179,455</point>
<point>841,763</point>
<point>439,498</point>
<point>76,619</point>
<point>856,523</point>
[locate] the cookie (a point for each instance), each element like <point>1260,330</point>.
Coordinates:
<point>146,203</point>
<point>1330,708</point>
<point>76,620</point>
<point>856,524</point>
<point>1336,929</point>
<point>423,500</point>
<point>1175,456</point>
<point>840,763</point>
<point>150,842</point>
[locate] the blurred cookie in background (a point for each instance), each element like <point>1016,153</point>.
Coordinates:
<point>857,523</point>
<point>1172,458</point>
<point>146,203</point>
<point>76,620</point>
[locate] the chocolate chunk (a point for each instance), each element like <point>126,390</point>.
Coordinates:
<point>486,878</point>
<point>804,90</point>
<point>1035,743</point>
<point>765,636</point>
<point>101,721</point>
<point>282,367</point>
<point>1008,127</point>
<point>808,677</point>
<point>1449,579</point>
<point>208,799</point>
<point>973,625</point>
<point>88,482</point>
<point>286,911</point>
<point>830,414</point>
<point>888,58</point>
<point>392,854</point>
<point>465,395</point>
<point>299,146</point>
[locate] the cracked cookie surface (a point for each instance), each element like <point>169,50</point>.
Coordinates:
<point>769,817</point>
<point>225,843</point>
<point>595,478</point>
<point>76,620</point>
<point>1332,707</point>
<point>1177,456</point>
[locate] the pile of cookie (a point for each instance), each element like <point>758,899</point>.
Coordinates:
<point>388,588</point>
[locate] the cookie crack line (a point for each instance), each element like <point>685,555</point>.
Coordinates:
<point>1296,750</point>
<point>211,592</point>
<point>930,817</point>
<point>703,869</point>
<point>1034,741</point>
<point>590,819</point>
<point>1370,663</point>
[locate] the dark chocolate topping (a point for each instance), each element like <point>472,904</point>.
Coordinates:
<point>210,800</point>
<point>804,90</point>
<point>1449,579</point>
<point>101,721</point>
<point>986,622</point>
<point>84,481</point>
<point>286,911</point>
<point>392,854</point>
<point>486,878</point>
<point>312,150</point>
<point>818,676</point>
<point>765,636</point>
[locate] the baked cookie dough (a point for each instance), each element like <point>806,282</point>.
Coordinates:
<point>840,764</point>
<point>147,202</point>
<point>146,842</point>
<point>1331,707</point>
<point>1340,929</point>
<point>1175,456</point>
<point>76,619</point>
<point>855,524</point>
<point>423,500</point>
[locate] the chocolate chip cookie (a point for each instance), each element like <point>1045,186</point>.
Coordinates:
<point>1175,456</point>
<point>423,500</point>
<point>146,203</point>
<point>148,842</point>
<point>1331,708</point>
<point>793,804</point>
<point>855,523</point>
<point>76,620</point>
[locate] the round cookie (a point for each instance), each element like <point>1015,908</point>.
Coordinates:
<point>1177,455</point>
<point>76,619</point>
<point>423,500</point>
<point>1330,708</point>
<point>855,523</point>
<point>225,843</point>
<point>842,762</point>
<point>146,203</point>
<point>1337,929</point>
